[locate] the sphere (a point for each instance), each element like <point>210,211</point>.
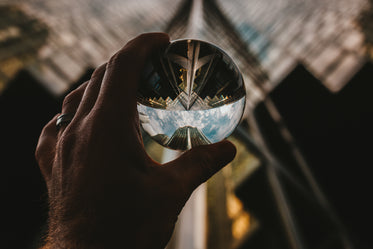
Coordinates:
<point>190,94</point>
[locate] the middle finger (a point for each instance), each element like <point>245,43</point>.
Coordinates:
<point>71,103</point>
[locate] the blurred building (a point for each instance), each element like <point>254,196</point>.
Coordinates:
<point>20,38</point>
<point>300,179</point>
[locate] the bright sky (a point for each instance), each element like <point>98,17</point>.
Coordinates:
<point>216,123</point>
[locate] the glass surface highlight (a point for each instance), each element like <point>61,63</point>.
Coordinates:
<point>190,94</point>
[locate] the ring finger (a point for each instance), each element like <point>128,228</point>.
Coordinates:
<point>70,105</point>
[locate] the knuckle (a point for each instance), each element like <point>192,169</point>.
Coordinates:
<point>116,59</point>
<point>98,72</point>
<point>68,135</point>
<point>72,98</point>
<point>44,140</point>
<point>40,148</point>
<point>125,57</point>
<point>66,143</point>
<point>38,154</point>
<point>142,36</point>
<point>43,157</point>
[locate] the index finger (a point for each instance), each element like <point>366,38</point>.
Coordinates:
<point>45,149</point>
<point>123,72</point>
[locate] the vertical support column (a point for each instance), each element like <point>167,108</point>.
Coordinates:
<point>190,230</point>
<point>195,22</point>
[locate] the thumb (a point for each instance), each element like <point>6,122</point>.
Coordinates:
<point>200,163</point>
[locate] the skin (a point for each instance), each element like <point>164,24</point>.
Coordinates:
<point>104,190</point>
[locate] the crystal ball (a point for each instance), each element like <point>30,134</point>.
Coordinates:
<point>191,93</point>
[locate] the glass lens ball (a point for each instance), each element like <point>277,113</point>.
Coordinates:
<point>190,94</point>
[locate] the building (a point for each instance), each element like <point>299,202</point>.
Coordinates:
<point>187,137</point>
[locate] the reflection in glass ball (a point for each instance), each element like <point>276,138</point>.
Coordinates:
<point>190,94</point>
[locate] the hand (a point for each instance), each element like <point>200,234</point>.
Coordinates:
<point>104,190</point>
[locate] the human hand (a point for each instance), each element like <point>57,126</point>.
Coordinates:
<point>104,190</point>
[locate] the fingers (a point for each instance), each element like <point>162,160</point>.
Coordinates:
<point>199,164</point>
<point>72,100</point>
<point>91,91</point>
<point>71,103</point>
<point>45,150</point>
<point>123,71</point>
